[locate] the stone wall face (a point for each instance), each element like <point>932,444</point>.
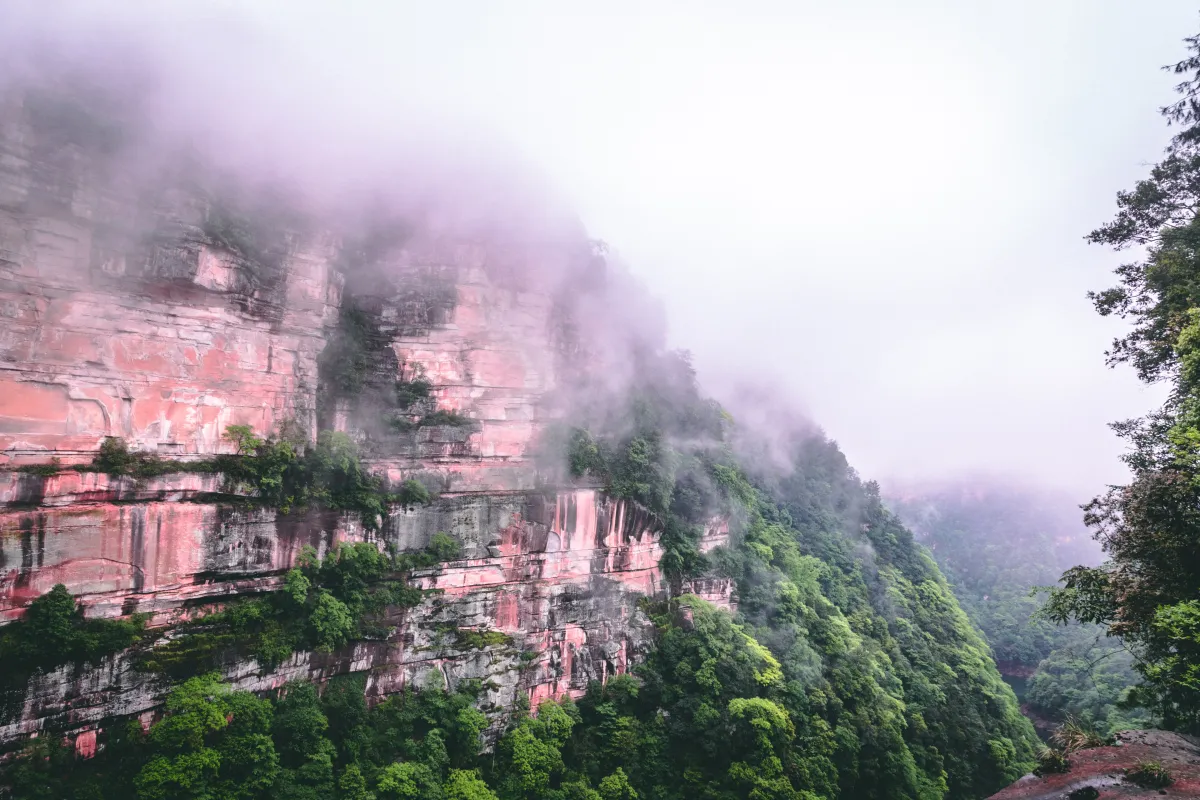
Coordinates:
<point>560,576</point>
<point>122,315</point>
<point>131,308</point>
<point>127,309</point>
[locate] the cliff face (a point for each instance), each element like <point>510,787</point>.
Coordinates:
<point>559,577</point>
<point>144,310</point>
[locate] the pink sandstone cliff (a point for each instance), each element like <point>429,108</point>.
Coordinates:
<point>122,314</point>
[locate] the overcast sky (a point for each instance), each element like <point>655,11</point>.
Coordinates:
<point>878,206</point>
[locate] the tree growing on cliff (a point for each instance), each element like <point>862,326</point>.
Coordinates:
<point>54,631</point>
<point>1149,591</point>
<point>212,743</point>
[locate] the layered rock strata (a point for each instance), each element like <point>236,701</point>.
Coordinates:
<point>140,304</point>
<point>559,577</point>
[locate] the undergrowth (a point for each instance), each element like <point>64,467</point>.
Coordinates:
<point>54,632</point>
<point>284,473</point>
<point>43,470</point>
<point>1052,762</point>
<point>1149,775</point>
<point>1075,735</point>
<point>472,639</point>
<point>323,605</point>
<point>405,423</point>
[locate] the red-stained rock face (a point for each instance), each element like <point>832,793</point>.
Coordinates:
<point>126,311</point>
<point>561,578</point>
<point>1104,769</point>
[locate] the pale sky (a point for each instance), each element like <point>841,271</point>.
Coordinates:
<point>878,206</point>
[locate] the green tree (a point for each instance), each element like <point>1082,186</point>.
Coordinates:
<point>464,784</point>
<point>353,786</point>
<point>616,787</point>
<point>54,631</point>
<point>407,781</point>
<point>1150,529</point>
<point>533,752</point>
<point>305,754</point>
<point>211,743</point>
<point>331,622</point>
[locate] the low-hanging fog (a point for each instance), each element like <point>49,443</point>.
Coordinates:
<point>875,208</point>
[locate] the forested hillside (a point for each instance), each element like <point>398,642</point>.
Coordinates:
<point>997,544</point>
<point>400,494</point>
<point>849,669</point>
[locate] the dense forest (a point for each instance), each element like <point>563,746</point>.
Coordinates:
<point>849,669</point>
<point>997,546</point>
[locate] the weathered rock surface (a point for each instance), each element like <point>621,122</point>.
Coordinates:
<point>563,585</point>
<point>128,309</point>
<point>130,306</point>
<point>1104,768</point>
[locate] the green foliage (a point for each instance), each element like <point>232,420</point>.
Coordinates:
<point>406,423</point>
<point>584,456</point>
<point>653,444</point>
<point>616,787</point>
<point>841,677</point>
<point>353,786</point>
<point>714,713</point>
<point>858,618</point>
<point>345,363</point>
<point>1087,678</point>
<point>211,743</point>
<point>995,545</point>
<point>1149,529</point>
<point>331,622</point>
<point>1149,775</point>
<point>532,753</point>
<point>327,475</point>
<point>471,639</point>
<point>407,781</point>
<point>54,632</point>
<point>465,784</point>
<point>114,456</point>
<point>443,547</point>
<point>244,438</point>
<point>323,605</point>
<point>216,743</point>
<point>42,470</point>
<point>998,547</point>
<point>1075,735</point>
<point>410,392</point>
<point>850,671</point>
<point>450,418</point>
<point>116,459</point>
<point>411,493</point>
<point>283,473</point>
<point>48,769</point>
<point>1052,762</point>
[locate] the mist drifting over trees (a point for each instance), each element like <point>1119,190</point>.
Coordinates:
<point>742,615</point>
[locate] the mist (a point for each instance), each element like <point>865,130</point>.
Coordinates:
<point>877,211</point>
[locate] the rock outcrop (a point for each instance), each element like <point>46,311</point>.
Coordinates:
<point>146,309</point>
<point>1099,773</point>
